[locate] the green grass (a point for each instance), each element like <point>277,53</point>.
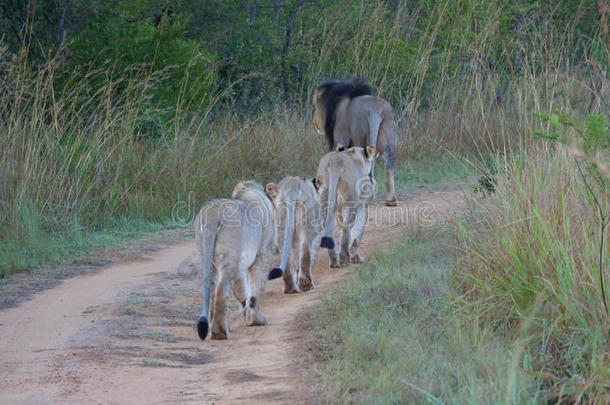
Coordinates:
<point>389,335</point>
<point>154,363</point>
<point>161,337</point>
<point>428,170</point>
<point>38,247</point>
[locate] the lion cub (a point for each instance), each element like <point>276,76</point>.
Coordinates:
<point>299,220</point>
<point>345,201</point>
<point>235,240</point>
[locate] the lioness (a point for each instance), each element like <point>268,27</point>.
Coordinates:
<point>347,113</point>
<point>297,212</point>
<point>346,201</point>
<point>235,240</point>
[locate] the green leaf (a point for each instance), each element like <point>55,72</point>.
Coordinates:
<point>555,121</point>
<point>546,135</point>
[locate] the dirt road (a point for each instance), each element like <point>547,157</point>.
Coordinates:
<point>126,334</point>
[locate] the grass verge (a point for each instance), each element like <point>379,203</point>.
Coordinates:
<point>389,335</point>
<point>531,264</point>
<point>505,308</point>
<point>432,170</point>
<point>40,247</point>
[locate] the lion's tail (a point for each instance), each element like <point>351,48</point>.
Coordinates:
<point>208,228</point>
<point>329,228</point>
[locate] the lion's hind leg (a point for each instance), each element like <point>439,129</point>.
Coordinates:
<point>308,258</point>
<point>241,290</point>
<point>347,221</point>
<point>293,270</point>
<point>357,233</point>
<point>388,159</point>
<point>333,255</point>
<point>257,278</point>
<point>220,322</point>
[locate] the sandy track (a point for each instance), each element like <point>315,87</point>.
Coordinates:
<point>126,334</point>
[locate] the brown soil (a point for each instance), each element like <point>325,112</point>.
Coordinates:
<point>126,333</point>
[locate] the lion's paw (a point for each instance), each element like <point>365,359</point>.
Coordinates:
<point>290,290</point>
<point>391,203</point>
<point>357,259</point>
<point>344,261</point>
<point>255,318</point>
<point>219,332</point>
<point>305,284</point>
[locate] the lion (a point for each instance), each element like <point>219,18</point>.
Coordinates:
<point>348,114</point>
<point>297,212</point>
<point>235,240</point>
<point>346,199</point>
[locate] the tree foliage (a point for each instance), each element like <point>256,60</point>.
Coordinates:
<point>258,52</point>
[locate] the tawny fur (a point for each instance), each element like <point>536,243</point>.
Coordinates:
<point>345,198</point>
<point>299,226</point>
<point>235,240</point>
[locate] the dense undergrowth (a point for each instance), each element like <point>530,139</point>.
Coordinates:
<point>530,263</point>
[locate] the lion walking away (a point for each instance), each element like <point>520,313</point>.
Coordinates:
<point>235,241</point>
<point>348,114</point>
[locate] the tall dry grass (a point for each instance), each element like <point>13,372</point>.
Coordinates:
<point>78,155</point>
<point>530,266</point>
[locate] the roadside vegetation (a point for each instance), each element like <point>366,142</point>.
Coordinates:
<point>502,305</point>
<point>392,334</point>
<point>125,116</point>
<point>510,304</point>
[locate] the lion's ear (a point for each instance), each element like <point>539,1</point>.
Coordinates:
<point>272,190</point>
<point>339,148</point>
<point>317,95</point>
<point>369,152</point>
<point>319,182</point>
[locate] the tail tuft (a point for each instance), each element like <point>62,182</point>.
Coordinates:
<point>327,242</point>
<point>202,327</point>
<point>276,273</point>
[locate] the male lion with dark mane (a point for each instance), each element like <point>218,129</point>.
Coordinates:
<point>348,114</point>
